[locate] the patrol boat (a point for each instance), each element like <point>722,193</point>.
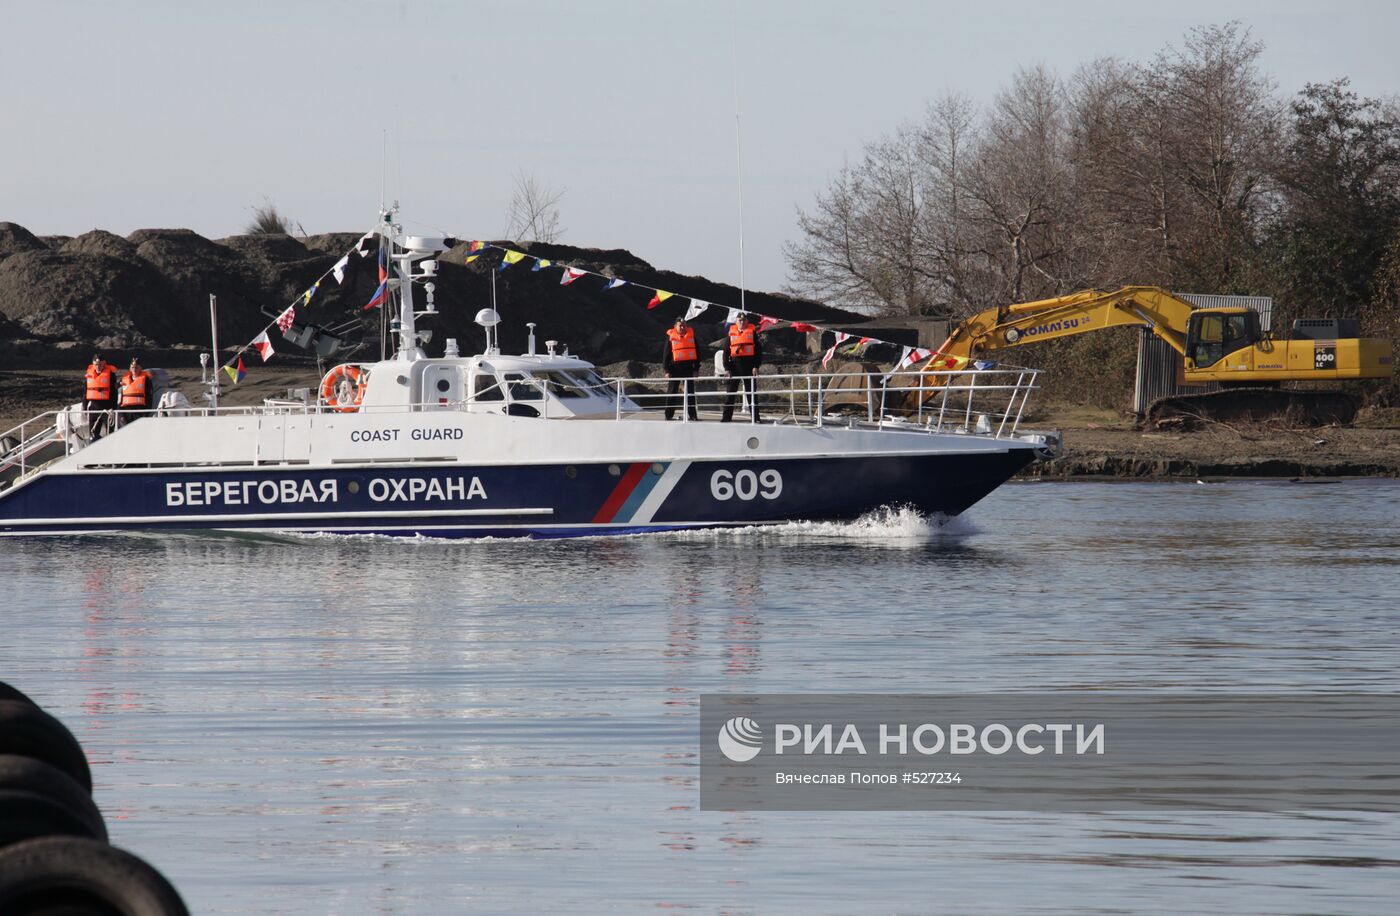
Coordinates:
<point>534,445</point>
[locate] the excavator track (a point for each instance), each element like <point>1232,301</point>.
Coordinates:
<point>1300,407</point>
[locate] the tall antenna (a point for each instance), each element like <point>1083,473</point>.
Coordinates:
<point>383,166</point>
<point>738,148</point>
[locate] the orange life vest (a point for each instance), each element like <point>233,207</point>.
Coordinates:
<point>136,389</point>
<point>741,343</point>
<point>99,382</point>
<point>683,345</point>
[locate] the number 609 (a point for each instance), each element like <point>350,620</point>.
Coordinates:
<point>746,484</point>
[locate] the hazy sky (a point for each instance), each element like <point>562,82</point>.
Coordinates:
<point>147,113</point>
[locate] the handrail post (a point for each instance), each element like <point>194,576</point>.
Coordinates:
<point>971,388</point>
<point>943,405</point>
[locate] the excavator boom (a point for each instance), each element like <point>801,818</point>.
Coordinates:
<point>1064,316</point>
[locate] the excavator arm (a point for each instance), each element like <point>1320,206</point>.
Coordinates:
<point>1063,316</point>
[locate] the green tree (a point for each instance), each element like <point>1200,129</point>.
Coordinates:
<point>1339,201</point>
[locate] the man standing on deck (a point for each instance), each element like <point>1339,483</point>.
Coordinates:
<point>100,395</point>
<point>742,358</point>
<point>682,363</point>
<point>136,389</point>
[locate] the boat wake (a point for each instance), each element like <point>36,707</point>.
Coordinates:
<point>887,526</point>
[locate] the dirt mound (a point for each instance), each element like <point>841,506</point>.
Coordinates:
<point>152,288</point>
<point>59,295</point>
<point>15,239</point>
<point>336,243</point>
<point>100,241</point>
<point>274,249</point>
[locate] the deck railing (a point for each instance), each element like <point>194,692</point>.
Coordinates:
<point>986,401</point>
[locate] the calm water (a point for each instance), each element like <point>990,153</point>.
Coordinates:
<point>364,725</point>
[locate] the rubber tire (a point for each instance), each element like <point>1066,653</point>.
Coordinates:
<point>42,876</point>
<point>29,815</point>
<point>25,774</point>
<point>14,693</point>
<point>28,731</point>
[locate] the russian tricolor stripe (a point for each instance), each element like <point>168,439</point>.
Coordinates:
<point>640,493</point>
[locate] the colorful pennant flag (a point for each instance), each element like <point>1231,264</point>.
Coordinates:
<point>236,373</point>
<point>339,269</point>
<point>804,327</point>
<point>263,345</point>
<point>615,283</point>
<point>862,345</point>
<point>511,257</point>
<point>942,362</point>
<point>765,322</point>
<point>360,248</point>
<point>541,263</point>
<point>659,297</point>
<point>570,275</point>
<point>697,308</point>
<point>474,251</point>
<point>380,295</point>
<point>306,296</point>
<point>841,337</point>
<point>903,357</point>
<point>284,320</point>
<point>919,353</point>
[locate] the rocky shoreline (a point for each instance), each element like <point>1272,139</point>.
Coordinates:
<point>1259,451</point>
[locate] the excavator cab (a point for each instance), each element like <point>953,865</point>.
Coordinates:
<point>1213,334</point>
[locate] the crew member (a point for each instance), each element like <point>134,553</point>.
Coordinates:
<point>100,396</point>
<point>742,359</point>
<point>681,361</point>
<point>136,390</point>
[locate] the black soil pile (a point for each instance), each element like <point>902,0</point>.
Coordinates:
<point>62,297</point>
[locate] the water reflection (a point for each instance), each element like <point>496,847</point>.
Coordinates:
<point>367,724</point>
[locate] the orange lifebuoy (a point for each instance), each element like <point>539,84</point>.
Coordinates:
<point>343,388</point>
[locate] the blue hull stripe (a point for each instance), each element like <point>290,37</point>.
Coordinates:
<point>639,495</point>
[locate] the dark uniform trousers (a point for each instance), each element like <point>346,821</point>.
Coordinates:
<point>680,381</point>
<point>741,374</point>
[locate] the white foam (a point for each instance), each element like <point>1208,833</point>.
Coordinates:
<point>886,526</point>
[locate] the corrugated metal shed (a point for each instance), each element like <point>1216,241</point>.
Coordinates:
<point>1160,369</point>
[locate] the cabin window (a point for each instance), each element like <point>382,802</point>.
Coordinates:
<point>486,388</point>
<point>1216,336</point>
<point>593,382</point>
<point>562,385</point>
<point>521,387</point>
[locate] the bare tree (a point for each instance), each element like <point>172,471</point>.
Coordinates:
<point>1219,122</point>
<point>947,141</point>
<point>534,211</point>
<point>863,241</point>
<point>884,237</point>
<point>1021,189</point>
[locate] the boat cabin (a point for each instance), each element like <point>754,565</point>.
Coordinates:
<point>555,387</point>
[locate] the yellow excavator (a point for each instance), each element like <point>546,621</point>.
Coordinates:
<point>1224,345</point>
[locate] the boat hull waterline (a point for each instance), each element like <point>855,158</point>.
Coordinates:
<point>521,500</point>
